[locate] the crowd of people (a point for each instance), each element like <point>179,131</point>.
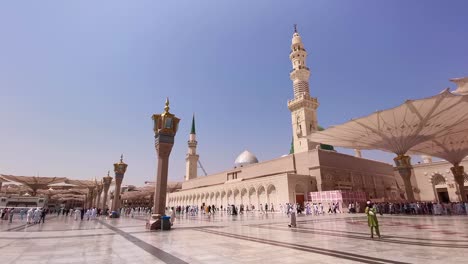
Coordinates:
<point>422,208</point>
<point>317,209</point>
<point>32,215</point>
<point>38,215</point>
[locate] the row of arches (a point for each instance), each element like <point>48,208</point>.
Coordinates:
<point>244,195</point>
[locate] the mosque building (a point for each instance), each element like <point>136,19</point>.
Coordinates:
<point>310,167</point>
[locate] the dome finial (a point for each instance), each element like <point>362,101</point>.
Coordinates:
<point>295,28</point>
<point>166,108</point>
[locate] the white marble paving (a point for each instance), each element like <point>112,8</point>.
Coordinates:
<point>250,238</point>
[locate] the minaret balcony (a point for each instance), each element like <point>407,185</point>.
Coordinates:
<point>303,100</point>
<point>300,67</point>
<point>297,49</point>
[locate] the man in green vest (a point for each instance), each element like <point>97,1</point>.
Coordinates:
<point>372,221</point>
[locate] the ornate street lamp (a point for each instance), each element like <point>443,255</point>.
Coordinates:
<point>119,168</point>
<point>106,182</point>
<point>98,192</point>
<point>165,129</point>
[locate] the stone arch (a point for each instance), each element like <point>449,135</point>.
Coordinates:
<point>272,196</point>
<point>217,199</point>
<point>192,199</point>
<point>253,200</point>
<point>262,197</point>
<point>438,179</point>
<point>222,199</point>
<point>229,197</point>
<point>243,196</point>
<point>212,198</point>
<point>236,197</point>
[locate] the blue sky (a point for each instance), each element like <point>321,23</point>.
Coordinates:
<point>80,80</point>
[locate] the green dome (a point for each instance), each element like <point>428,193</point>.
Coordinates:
<point>325,146</point>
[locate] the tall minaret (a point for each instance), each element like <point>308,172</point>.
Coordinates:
<point>303,107</point>
<point>191,159</point>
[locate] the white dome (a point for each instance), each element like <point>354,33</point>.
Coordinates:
<point>245,158</point>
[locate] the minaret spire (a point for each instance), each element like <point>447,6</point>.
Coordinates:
<point>192,131</point>
<point>303,107</point>
<point>191,160</point>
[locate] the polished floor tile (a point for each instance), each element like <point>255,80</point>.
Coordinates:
<point>251,238</point>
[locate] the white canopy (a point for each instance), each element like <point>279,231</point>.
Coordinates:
<point>452,148</point>
<point>399,129</point>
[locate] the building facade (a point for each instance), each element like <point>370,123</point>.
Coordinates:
<point>290,178</point>
<point>434,181</point>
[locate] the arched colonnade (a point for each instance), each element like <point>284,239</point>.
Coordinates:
<point>246,195</point>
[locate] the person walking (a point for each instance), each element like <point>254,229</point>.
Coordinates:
<point>12,211</point>
<point>372,221</point>
<point>292,212</point>
<point>77,214</point>
<point>22,213</point>
<point>29,216</point>
<point>43,215</point>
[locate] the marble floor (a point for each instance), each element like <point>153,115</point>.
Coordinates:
<point>251,238</point>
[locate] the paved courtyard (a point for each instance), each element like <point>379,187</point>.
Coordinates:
<point>249,238</point>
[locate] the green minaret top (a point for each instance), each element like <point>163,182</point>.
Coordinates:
<point>193,125</point>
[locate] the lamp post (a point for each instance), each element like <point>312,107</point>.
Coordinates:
<point>90,197</point>
<point>106,182</point>
<point>99,193</point>
<point>165,129</point>
<point>403,165</point>
<point>119,169</point>
<point>459,175</point>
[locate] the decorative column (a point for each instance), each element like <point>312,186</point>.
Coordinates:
<point>165,129</point>
<point>403,165</point>
<point>119,169</point>
<point>459,175</point>
<point>99,193</point>
<point>90,196</point>
<point>106,182</point>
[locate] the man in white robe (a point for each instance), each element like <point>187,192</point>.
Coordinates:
<point>29,216</point>
<point>77,214</point>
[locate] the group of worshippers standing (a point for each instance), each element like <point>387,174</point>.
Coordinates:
<point>33,215</point>
<point>7,214</point>
<point>90,213</point>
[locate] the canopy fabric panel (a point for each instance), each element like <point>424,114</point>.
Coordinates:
<point>399,129</point>
<point>81,183</point>
<point>452,148</point>
<point>33,181</point>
